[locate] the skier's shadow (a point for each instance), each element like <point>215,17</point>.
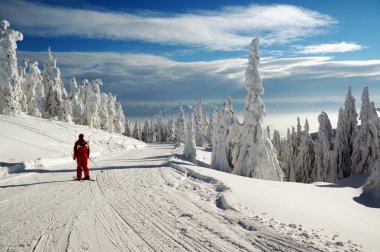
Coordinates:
<point>37,183</point>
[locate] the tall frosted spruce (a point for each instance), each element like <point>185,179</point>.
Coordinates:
<point>366,144</point>
<point>345,134</point>
<point>10,82</point>
<point>322,165</point>
<point>180,125</point>
<point>255,155</point>
<point>189,151</point>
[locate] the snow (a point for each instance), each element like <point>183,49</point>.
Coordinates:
<point>322,209</point>
<point>45,141</point>
<point>146,199</point>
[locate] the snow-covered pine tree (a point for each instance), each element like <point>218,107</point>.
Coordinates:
<point>366,144</point>
<point>10,83</point>
<point>180,125</point>
<point>127,131</point>
<point>152,131</point>
<point>225,134</point>
<point>136,131</point>
<point>255,155</point>
<point>92,104</point>
<point>55,92</point>
<point>189,151</point>
<point>103,112</point>
<point>111,105</point>
<point>288,168</point>
<point>170,130</point>
<point>76,102</point>
<point>23,85</point>
<point>35,93</point>
<point>323,146</point>
<point>345,134</point>
<point>277,142</point>
<point>160,128</point>
<point>209,136</point>
<point>305,160</point>
<point>145,132</point>
<point>200,126</point>
<point>119,119</point>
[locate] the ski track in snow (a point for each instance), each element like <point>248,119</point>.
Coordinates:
<point>137,203</point>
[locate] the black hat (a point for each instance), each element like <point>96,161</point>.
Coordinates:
<point>81,136</point>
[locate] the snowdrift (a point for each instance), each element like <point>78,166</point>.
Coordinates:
<point>30,142</point>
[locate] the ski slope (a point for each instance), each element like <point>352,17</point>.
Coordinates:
<point>143,199</point>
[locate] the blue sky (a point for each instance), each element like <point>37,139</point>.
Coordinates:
<point>153,54</point>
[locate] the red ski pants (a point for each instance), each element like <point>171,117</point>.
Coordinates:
<point>82,162</point>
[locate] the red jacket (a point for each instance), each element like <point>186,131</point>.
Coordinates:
<point>81,149</point>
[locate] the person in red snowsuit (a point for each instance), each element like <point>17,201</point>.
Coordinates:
<point>81,154</point>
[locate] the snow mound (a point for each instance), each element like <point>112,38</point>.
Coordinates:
<point>371,188</point>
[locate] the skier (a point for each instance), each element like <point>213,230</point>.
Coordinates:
<point>81,154</point>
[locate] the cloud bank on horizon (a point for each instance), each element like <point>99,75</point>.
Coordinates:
<point>151,57</point>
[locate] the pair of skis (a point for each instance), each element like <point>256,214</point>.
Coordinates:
<point>82,180</point>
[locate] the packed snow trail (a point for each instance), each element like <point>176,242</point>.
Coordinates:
<point>137,203</point>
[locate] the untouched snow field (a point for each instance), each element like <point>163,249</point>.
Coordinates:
<point>145,199</point>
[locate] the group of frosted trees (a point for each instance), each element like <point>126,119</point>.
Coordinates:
<point>352,149</point>
<point>173,130</point>
<point>25,89</point>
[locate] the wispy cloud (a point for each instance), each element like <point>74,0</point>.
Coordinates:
<point>144,77</point>
<point>230,28</point>
<point>329,48</point>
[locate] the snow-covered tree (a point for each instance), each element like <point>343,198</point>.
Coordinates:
<point>10,83</point>
<point>366,144</point>
<point>145,133</point>
<point>323,146</point>
<point>128,131</point>
<point>180,125</point>
<point>119,120</point>
<point>23,85</point>
<point>111,105</point>
<point>223,137</point>
<point>93,99</point>
<point>170,126</point>
<point>344,139</point>
<point>288,167</point>
<point>35,93</point>
<point>55,92</point>
<point>189,151</point>
<point>76,102</point>
<point>277,141</point>
<point>136,131</point>
<point>305,160</point>
<point>103,113</point>
<point>255,155</point>
<point>160,128</point>
<point>152,131</point>
<point>200,126</point>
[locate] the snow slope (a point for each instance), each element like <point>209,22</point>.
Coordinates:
<point>319,210</point>
<point>34,142</point>
<point>138,202</point>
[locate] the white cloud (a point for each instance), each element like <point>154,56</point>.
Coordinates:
<point>329,48</point>
<point>142,77</point>
<point>230,28</point>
